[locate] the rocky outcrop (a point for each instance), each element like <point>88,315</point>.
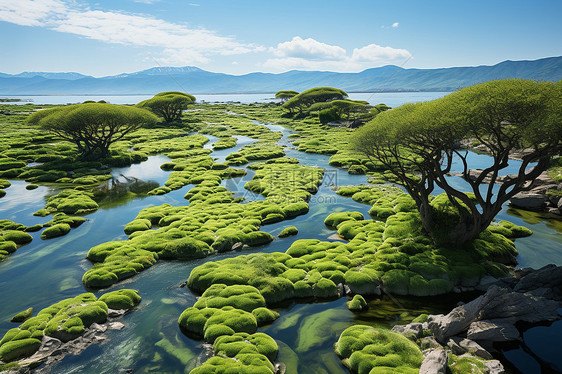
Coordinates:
<point>471,329</point>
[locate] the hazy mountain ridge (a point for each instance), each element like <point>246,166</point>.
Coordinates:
<point>198,81</point>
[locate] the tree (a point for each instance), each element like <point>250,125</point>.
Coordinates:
<point>313,95</point>
<point>348,108</point>
<point>93,127</point>
<point>423,139</point>
<point>168,105</point>
<point>285,95</point>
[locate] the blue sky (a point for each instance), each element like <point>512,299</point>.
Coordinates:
<point>110,37</point>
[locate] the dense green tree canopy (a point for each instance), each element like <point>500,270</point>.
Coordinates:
<point>314,95</point>
<point>285,95</point>
<point>503,115</point>
<point>93,127</point>
<point>168,105</point>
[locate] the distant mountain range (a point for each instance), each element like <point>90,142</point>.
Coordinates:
<point>197,81</point>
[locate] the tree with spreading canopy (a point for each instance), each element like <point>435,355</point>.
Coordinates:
<point>285,95</point>
<point>93,127</point>
<point>168,105</point>
<point>314,95</point>
<point>419,144</point>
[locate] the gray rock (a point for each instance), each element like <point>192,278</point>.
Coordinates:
<point>115,313</point>
<point>494,367</point>
<point>528,200</point>
<point>429,342</point>
<point>116,326</point>
<point>411,331</point>
<point>455,347</point>
<point>474,349</point>
<point>492,331</point>
<point>495,303</point>
<point>435,362</point>
<point>97,327</point>
<point>485,282</point>
<point>549,276</point>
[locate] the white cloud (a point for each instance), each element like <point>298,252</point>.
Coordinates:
<point>309,49</point>
<point>309,54</point>
<point>395,25</point>
<point>374,53</point>
<point>181,44</point>
<point>30,12</point>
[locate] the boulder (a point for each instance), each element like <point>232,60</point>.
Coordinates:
<point>492,331</point>
<point>494,367</point>
<point>495,303</point>
<point>435,362</point>
<point>549,276</point>
<point>474,349</point>
<point>528,200</point>
<point>429,342</point>
<point>411,331</point>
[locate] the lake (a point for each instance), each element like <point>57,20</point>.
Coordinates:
<point>392,99</point>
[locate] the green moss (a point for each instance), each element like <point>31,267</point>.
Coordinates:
<point>334,219</point>
<point>288,231</point>
<point>243,363</point>
<point>137,225</point>
<point>8,246</point>
<point>264,316</point>
<point>465,364</point>
<point>420,319</point>
<point>242,297</point>
<point>365,349</point>
<point>16,349</point>
<point>72,202</point>
<point>357,304</point>
<point>232,346</point>
<point>185,248</point>
<point>55,231</point>
<point>22,316</point>
<point>65,320</point>
<point>18,237</point>
<point>256,238</point>
<point>121,299</point>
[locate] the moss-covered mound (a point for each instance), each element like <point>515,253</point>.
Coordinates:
<point>262,150</point>
<point>65,320</point>
<point>356,304</point>
<point>121,299</point>
<point>285,181</point>
<point>22,316</point>
<point>242,297</point>
<point>242,353</point>
<point>72,202</point>
<point>365,349</point>
<point>288,231</point>
<point>59,229</point>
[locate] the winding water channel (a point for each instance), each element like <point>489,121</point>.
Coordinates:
<point>46,271</point>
